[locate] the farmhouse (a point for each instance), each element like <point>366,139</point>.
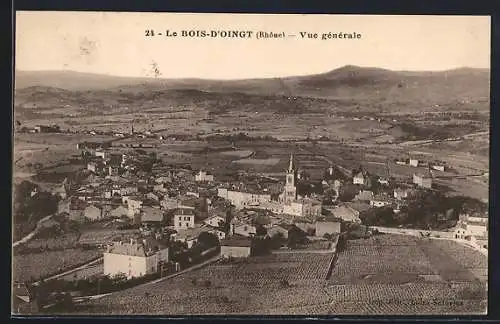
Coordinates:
<point>422,180</point>
<point>235,247</point>
<point>135,258</point>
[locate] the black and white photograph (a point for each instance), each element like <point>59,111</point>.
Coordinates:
<point>176,164</point>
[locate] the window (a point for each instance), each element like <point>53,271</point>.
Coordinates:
<point>187,224</point>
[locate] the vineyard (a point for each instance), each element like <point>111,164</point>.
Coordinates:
<point>385,274</point>
<point>65,241</point>
<point>247,286</point>
<point>39,265</point>
<point>103,236</point>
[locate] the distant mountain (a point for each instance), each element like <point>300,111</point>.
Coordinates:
<point>360,85</point>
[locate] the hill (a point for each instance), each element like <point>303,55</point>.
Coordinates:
<point>351,86</point>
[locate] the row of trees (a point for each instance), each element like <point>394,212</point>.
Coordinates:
<point>427,210</point>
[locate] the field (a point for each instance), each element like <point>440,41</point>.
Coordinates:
<point>65,241</point>
<point>87,272</point>
<point>37,265</point>
<point>387,274</point>
<point>397,274</point>
<point>247,286</point>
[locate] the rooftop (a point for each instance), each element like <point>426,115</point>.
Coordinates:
<point>139,248</point>
<point>236,241</point>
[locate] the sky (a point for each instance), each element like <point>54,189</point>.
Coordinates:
<point>115,44</point>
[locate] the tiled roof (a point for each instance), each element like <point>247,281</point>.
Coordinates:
<point>236,241</point>
<point>140,248</point>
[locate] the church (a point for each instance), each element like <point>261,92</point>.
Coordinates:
<point>292,203</point>
<point>289,202</point>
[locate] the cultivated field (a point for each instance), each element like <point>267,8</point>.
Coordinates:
<point>397,274</point>
<point>387,274</point>
<point>39,265</point>
<point>248,286</point>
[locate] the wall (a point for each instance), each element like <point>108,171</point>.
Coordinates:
<point>235,251</point>
<point>415,232</point>
<point>477,230</point>
<point>323,228</point>
<point>131,266</point>
<point>183,221</point>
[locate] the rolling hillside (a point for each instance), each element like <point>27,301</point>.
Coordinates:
<point>350,87</point>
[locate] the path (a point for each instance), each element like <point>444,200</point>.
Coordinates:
<point>197,266</point>
<point>73,270</point>
<point>30,235</point>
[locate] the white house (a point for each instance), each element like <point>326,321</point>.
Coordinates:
<point>203,176</point>
<point>214,221</point>
<point>183,219</point>
<point>135,258</point>
<point>235,248</point>
<point>422,180</point>
<point>414,162</point>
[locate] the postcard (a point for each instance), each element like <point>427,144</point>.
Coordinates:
<point>250,164</point>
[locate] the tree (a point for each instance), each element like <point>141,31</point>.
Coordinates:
<point>260,230</point>
<point>208,240</point>
<point>296,237</point>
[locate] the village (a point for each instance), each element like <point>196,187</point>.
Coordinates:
<point>140,219</point>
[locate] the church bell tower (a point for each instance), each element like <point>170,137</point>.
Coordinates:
<point>291,182</point>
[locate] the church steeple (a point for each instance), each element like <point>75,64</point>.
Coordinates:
<point>291,182</point>
<point>291,166</point>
